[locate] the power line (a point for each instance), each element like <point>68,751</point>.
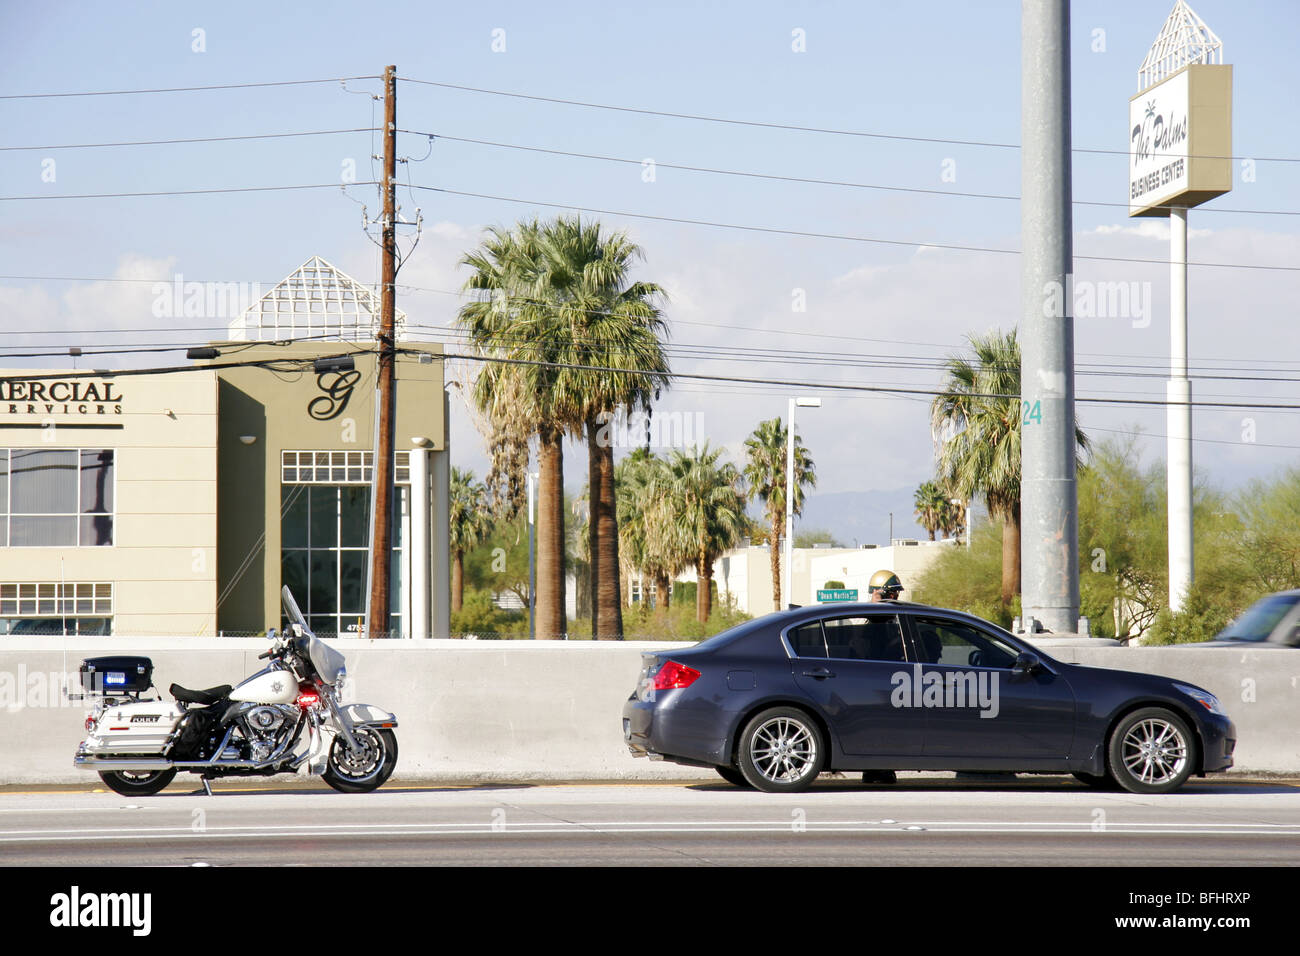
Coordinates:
<point>191,192</point>
<point>1210,441</point>
<point>200,139</point>
<point>805,234</point>
<point>800,179</point>
<point>183,89</point>
<point>795,128</point>
<point>851,387</point>
<point>1159,370</point>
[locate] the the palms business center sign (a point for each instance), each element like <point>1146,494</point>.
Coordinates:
<point>1180,140</point>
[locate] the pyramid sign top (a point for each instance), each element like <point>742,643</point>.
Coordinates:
<point>316,300</point>
<point>1184,39</point>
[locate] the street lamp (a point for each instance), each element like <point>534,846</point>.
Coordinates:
<point>801,402</point>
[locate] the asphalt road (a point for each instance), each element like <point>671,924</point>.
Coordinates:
<point>1043,821</point>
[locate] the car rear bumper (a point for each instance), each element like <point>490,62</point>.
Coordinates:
<point>656,729</point>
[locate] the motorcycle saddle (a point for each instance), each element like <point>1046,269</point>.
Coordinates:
<point>203,697</point>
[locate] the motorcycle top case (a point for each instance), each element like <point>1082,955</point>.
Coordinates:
<point>107,676</point>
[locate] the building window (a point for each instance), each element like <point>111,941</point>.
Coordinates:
<point>56,497</point>
<point>325,537</point>
<point>338,467</point>
<point>51,607</point>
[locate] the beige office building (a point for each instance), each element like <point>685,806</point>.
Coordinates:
<point>178,503</point>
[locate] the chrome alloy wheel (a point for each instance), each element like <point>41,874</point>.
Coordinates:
<point>1154,751</point>
<point>361,764</point>
<point>784,750</point>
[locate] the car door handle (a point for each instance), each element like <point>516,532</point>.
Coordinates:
<point>820,673</point>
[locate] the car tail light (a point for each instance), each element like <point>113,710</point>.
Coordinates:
<point>673,675</point>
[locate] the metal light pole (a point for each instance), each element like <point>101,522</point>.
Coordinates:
<point>789,491</point>
<point>1049,509</point>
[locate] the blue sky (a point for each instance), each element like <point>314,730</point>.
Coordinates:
<point>939,70</point>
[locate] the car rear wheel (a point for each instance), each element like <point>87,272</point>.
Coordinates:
<point>1102,781</point>
<point>1151,751</point>
<point>732,776</point>
<point>781,751</point>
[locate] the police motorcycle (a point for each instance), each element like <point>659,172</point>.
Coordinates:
<point>286,718</point>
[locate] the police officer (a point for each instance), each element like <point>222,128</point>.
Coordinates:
<point>884,586</point>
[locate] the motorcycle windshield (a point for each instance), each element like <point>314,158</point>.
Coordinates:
<point>327,661</point>
<point>291,610</point>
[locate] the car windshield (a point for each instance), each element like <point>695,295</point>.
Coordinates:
<point>1260,619</point>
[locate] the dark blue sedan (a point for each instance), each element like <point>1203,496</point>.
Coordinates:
<point>891,686</point>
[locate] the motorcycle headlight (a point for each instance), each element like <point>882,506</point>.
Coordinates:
<point>1205,699</point>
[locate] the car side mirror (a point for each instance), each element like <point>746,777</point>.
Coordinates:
<point>1026,664</point>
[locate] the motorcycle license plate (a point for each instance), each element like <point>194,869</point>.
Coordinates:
<point>114,678</point>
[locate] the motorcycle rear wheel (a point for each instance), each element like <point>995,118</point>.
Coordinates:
<point>361,773</point>
<point>131,783</point>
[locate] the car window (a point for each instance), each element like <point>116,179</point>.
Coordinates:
<point>1260,619</point>
<point>806,640</point>
<point>865,638</point>
<point>960,645</point>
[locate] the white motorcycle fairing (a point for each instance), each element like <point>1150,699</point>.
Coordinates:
<point>267,687</point>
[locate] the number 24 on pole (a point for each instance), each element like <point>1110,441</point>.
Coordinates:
<point>1033,413</point>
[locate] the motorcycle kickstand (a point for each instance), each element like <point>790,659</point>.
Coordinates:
<point>206,788</point>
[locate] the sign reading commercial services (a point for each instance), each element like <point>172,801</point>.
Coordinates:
<point>75,397</point>
<point>1180,140</point>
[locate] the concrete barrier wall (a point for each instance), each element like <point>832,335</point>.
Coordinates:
<point>539,710</point>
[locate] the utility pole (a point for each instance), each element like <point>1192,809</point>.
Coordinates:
<point>381,550</point>
<point>1049,510</point>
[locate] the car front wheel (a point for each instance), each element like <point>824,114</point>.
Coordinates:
<point>1151,751</point>
<point>781,751</point>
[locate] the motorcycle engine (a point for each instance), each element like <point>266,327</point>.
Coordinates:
<point>262,726</point>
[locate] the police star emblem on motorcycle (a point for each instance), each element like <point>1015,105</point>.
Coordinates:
<point>277,687</point>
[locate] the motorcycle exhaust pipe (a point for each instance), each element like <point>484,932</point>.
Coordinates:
<point>91,763</point>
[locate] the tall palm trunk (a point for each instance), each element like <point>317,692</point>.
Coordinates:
<point>551,622</point>
<point>457,580</point>
<point>1010,556</point>
<point>593,530</point>
<point>662,584</point>
<point>609,606</point>
<point>774,552</point>
<point>704,589</point>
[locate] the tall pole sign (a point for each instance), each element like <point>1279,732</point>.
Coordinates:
<point>1180,155</point>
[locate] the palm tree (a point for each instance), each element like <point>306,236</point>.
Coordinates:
<point>765,472</point>
<point>612,327</point>
<point>513,326</point>
<point>468,521</point>
<point>933,509</point>
<point>976,421</point>
<point>640,479</point>
<point>700,513</point>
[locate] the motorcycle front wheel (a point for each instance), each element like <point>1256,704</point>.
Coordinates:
<point>367,768</point>
<point>133,783</point>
